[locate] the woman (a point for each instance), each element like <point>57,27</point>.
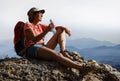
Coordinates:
<point>34,40</point>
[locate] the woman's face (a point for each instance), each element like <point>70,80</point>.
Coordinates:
<point>38,16</point>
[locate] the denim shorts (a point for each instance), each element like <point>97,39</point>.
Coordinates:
<point>32,51</point>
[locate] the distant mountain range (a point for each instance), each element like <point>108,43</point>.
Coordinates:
<point>101,51</point>
<point>88,43</point>
<point>78,43</point>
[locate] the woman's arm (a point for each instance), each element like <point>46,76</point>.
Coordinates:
<point>30,35</point>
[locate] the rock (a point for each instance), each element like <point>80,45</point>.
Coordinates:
<point>21,69</point>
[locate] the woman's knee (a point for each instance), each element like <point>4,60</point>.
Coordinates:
<point>59,31</point>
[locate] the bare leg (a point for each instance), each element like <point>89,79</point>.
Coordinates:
<point>62,44</point>
<point>52,43</point>
<point>49,54</point>
<point>62,41</point>
<point>59,37</point>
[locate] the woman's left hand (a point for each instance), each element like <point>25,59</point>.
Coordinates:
<point>64,28</point>
<point>68,31</point>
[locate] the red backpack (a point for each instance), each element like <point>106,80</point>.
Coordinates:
<point>19,45</point>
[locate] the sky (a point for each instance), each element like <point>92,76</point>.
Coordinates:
<point>98,19</point>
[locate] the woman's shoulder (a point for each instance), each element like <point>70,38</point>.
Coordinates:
<point>28,26</point>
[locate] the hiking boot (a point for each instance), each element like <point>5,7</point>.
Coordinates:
<point>66,54</point>
<point>85,69</point>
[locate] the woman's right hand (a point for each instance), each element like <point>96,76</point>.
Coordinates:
<point>51,26</point>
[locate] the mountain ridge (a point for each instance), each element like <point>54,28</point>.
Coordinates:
<point>88,43</point>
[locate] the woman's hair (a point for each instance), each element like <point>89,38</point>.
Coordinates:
<point>31,18</point>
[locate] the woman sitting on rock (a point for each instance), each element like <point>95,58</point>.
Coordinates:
<point>34,40</point>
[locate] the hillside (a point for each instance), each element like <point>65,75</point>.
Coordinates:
<point>22,69</point>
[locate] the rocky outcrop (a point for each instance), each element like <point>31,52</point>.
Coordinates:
<point>21,69</point>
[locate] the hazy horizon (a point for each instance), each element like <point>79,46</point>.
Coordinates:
<point>98,19</point>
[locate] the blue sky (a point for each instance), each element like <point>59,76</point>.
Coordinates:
<point>98,19</point>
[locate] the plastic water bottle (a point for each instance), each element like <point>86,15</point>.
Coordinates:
<point>53,29</point>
